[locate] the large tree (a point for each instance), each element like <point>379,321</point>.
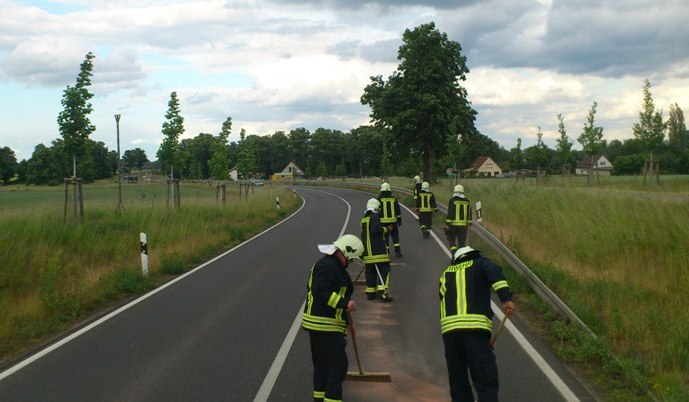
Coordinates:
<point>650,129</point>
<point>422,102</point>
<point>220,162</point>
<point>677,133</point>
<point>134,158</point>
<point>173,128</point>
<point>73,121</point>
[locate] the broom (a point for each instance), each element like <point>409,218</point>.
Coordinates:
<point>361,376</point>
<point>497,331</point>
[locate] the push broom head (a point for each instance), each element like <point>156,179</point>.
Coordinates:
<point>368,377</point>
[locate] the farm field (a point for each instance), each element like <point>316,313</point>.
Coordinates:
<point>56,272</point>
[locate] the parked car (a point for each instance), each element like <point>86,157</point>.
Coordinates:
<point>256,182</point>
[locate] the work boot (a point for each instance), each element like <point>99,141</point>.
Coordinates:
<point>398,253</point>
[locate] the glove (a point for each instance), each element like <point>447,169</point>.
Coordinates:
<point>399,221</point>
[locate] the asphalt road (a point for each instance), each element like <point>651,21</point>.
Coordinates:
<point>229,329</point>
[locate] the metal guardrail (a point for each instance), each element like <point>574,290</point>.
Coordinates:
<point>532,279</point>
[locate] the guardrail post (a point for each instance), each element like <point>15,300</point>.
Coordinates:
<point>144,254</point>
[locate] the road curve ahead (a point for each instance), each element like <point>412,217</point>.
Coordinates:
<point>228,330</point>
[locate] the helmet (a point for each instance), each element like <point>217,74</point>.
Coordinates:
<point>425,186</point>
<point>417,179</point>
<point>350,245</point>
<point>385,187</point>
<point>459,188</point>
<point>373,204</point>
<point>461,252</point>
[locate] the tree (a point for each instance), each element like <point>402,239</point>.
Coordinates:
<point>219,164</point>
<point>591,138</point>
<point>677,133</point>
<point>73,121</point>
<point>8,164</point>
<point>564,145</point>
<point>650,129</point>
<point>134,158</point>
<point>517,156</point>
<point>539,155</point>
<point>422,103</point>
<point>47,165</point>
<point>246,159</point>
<point>299,146</point>
<point>173,128</point>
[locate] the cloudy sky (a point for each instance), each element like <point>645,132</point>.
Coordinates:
<point>282,64</point>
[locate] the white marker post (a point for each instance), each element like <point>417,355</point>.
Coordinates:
<point>277,202</point>
<point>478,211</point>
<point>144,254</point>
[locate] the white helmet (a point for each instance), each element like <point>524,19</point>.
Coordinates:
<point>461,252</point>
<point>350,245</point>
<point>459,188</point>
<point>425,186</point>
<point>417,179</point>
<point>385,187</point>
<point>372,205</point>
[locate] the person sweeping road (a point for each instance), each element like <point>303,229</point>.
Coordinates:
<point>328,304</point>
<point>466,323</point>
<point>375,255</point>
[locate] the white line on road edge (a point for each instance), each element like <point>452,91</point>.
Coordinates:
<point>275,368</point>
<point>555,379</point>
<point>105,318</point>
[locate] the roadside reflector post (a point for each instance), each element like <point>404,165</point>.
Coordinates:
<point>277,202</point>
<point>478,211</point>
<point>144,254</point>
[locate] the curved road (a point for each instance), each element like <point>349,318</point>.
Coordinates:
<point>229,329</point>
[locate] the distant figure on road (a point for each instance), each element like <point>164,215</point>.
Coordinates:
<point>466,323</point>
<point>376,255</point>
<point>328,298</point>
<point>390,216</point>
<point>425,206</point>
<point>458,219</point>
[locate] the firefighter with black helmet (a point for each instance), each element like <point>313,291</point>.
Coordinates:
<point>390,216</point>
<point>328,299</point>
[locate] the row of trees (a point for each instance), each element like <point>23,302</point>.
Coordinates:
<point>422,122</point>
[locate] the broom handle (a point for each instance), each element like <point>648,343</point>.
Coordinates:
<point>356,350</point>
<point>497,332</point>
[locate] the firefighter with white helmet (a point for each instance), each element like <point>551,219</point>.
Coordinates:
<point>390,216</point>
<point>375,255</point>
<point>458,219</point>
<point>425,206</point>
<point>417,186</point>
<point>329,296</point>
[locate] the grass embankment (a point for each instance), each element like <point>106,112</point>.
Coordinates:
<point>53,274</point>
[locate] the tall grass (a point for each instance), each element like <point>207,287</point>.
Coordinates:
<point>52,273</point>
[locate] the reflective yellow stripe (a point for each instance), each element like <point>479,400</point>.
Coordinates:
<point>376,258</point>
<point>334,299</point>
<point>323,324</point>
<point>499,285</point>
<point>332,400</point>
<point>466,321</point>
<point>319,394</point>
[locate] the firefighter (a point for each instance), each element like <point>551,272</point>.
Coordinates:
<point>375,255</point>
<point>328,299</point>
<point>417,186</point>
<point>390,216</point>
<point>458,219</point>
<point>466,323</point>
<point>425,206</point>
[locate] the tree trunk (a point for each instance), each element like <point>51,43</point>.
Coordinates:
<point>428,161</point>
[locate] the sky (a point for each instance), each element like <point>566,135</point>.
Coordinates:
<point>277,65</point>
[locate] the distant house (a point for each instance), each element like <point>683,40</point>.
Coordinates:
<point>598,163</point>
<point>290,172</point>
<point>485,166</point>
<point>233,174</point>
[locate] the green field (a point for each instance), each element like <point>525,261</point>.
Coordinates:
<point>54,273</point>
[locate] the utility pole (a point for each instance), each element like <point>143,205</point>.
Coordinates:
<point>119,173</point>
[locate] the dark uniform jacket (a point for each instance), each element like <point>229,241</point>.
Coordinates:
<point>465,293</point>
<point>417,190</point>
<point>372,235</point>
<point>458,211</point>
<point>329,290</point>
<point>390,211</point>
<point>425,202</point>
